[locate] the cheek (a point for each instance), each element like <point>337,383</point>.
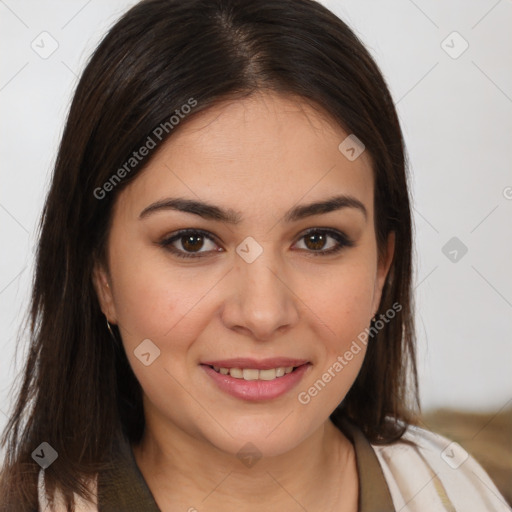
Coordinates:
<point>152,297</point>
<point>158,302</point>
<point>343,303</point>
<point>343,306</point>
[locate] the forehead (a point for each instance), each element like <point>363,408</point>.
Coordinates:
<point>261,152</point>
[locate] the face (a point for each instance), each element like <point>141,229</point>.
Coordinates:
<point>257,283</point>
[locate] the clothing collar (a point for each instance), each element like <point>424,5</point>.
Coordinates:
<point>374,495</point>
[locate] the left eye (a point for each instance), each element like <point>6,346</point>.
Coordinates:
<point>315,240</point>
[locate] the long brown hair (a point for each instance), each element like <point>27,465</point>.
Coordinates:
<point>78,391</point>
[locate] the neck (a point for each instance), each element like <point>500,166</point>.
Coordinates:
<point>181,469</point>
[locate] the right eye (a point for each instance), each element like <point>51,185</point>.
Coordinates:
<point>191,242</point>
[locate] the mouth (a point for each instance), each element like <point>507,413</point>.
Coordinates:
<point>253,380</point>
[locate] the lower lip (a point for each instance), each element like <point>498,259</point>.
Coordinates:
<point>255,390</point>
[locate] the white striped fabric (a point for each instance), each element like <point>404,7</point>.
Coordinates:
<point>436,475</point>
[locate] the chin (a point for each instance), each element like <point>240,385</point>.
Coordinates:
<point>267,438</point>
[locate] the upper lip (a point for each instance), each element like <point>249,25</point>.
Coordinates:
<point>257,364</point>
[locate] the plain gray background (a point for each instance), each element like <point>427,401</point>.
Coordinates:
<point>455,107</point>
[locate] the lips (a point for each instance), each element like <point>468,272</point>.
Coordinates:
<point>256,380</point>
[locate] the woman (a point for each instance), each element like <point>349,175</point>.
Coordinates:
<point>222,313</point>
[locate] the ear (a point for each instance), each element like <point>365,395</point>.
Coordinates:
<point>383,266</point>
<point>103,287</point>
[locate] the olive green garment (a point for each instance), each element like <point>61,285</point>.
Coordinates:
<point>123,488</point>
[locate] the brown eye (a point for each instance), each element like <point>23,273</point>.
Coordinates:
<point>188,243</point>
<point>317,241</point>
<point>192,242</point>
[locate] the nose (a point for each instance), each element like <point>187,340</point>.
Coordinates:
<point>261,302</point>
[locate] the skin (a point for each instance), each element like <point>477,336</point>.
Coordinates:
<point>260,156</point>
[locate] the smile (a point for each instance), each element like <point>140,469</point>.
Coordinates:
<point>240,378</point>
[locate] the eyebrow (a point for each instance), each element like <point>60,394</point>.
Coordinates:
<point>211,212</point>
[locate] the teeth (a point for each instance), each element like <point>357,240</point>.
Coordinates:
<point>237,373</point>
<point>251,374</point>
<point>268,374</point>
<point>280,372</point>
<point>254,374</point>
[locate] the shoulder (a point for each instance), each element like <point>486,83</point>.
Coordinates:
<point>426,471</point>
<point>58,503</point>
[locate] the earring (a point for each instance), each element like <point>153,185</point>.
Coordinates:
<point>111,331</point>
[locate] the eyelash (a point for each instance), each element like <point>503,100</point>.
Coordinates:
<point>341,238</point>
